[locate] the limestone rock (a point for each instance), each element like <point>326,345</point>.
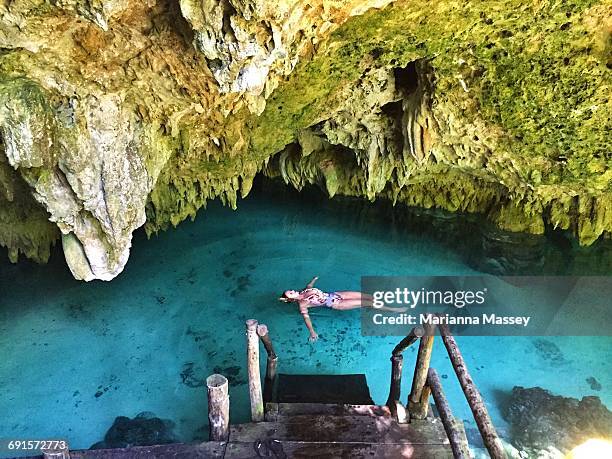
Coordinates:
<point>87,170</point>
<point>145,429</point>
<point>119,114</point>
<point>245,41</point>
<point>540,420</point>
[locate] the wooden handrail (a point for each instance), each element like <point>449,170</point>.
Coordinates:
<point>408,341</point>
<point>397,362</point>
<point>271,363</point>
<point>418,401</point>
<point>426,383</point>
<point>457,438</point>
<point>474,399</point>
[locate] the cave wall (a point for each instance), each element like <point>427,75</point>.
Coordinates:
<point>115,115</point>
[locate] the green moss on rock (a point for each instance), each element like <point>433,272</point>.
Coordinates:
<point>25,228</point>
<point>536,77</point>
<point>511,117</point>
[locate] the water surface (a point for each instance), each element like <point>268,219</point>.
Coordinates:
<point>76,355</point>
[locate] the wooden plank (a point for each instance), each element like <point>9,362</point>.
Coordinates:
<point>56,454</point>
<point>206,450</point>
<point>293,449</point>
<point>276,411</point>
<point>326,428</point>
<point>298,450</point>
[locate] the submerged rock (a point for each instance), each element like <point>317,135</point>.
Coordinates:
<point>595,385</point>
<point>143,430</point>
<point>540,420</point>
<point>192,375</point>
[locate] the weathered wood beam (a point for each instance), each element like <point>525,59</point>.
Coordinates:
<point>397,363</point>
<point>418,401</point>
<point>218,407</point>
<point>474,399</point>
<point>262,332</point>
<point>456,436</point>
<point>255,393</point>
<point>271,363</point>
<point>407,341</point>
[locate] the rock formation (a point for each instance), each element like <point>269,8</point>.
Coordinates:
<point>539,420</point>
<point>119,114</point>
<point>144,429</point>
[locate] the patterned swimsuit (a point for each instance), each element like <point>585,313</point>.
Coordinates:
<point>317,297</point>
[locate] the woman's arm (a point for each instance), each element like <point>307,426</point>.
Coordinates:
<point>308,322</point>
<point>312,282</point>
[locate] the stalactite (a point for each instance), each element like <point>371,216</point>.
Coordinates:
<point>113,113</point>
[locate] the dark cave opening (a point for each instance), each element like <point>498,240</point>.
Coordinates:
<point>407,78</point>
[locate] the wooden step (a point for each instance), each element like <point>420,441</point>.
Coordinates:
<point>279,411</point>
<point>351,389</point>
<point>298,450</point>
<point>342,429</point>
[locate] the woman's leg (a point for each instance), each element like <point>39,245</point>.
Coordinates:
<point>345,305</point>
<point>352,295</point>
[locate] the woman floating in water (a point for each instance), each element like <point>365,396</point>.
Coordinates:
<point>311,297</point>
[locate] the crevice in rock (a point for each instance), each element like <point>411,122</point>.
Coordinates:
<point>167,15</point>
<point>407,78</point>
<point>228,12</point>
<point>393,110</point>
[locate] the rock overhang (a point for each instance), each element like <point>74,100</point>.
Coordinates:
<point>140,112</point>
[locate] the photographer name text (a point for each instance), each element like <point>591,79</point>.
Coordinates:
<point>446,319</point>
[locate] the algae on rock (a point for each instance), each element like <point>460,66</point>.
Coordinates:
<point>119,114</point>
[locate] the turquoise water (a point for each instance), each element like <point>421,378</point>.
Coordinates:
<point>76,355</point>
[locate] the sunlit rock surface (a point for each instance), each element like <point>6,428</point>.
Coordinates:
<point>118,114</point>
<point>540,420</point>
<point>248,43</point>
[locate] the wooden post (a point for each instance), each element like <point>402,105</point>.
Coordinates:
<point>397,362</point>
<point>418,401</point>
<point>474,399</point>
<point>218,407</point>
<point>457,438</point>
<point>271,363</point>
<point>406,342</point>
<point>262,331</point>
<point>393,401</point>
<point>257,408</point>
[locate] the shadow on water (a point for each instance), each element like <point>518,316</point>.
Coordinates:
<point>480,244</point>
